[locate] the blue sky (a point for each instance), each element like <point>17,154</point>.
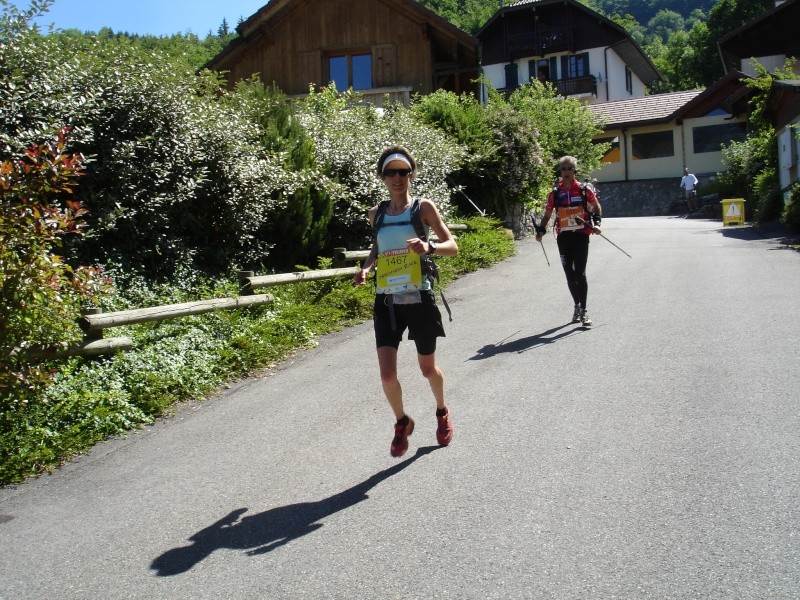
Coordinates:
<point>155,17</point>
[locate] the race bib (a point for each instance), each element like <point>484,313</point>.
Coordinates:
<point>399,271</point>
<point>567,218</point>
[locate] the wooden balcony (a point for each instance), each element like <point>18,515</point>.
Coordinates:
<point>576,85</point>
<point>540,43</point>
<point>379,96</point>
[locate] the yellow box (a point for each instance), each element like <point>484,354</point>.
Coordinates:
<point>732,210</point>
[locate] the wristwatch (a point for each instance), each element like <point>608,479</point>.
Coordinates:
<point>431,247</point>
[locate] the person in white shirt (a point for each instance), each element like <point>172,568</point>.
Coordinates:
<point>689,184</point>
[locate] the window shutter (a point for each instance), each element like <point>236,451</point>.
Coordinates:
<point>512,77</point>
<point>384,65</point>
<point>585,61</point>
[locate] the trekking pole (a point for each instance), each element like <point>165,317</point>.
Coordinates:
<point>541,243</point>
<point>460,191</point>
<point>605,238</point>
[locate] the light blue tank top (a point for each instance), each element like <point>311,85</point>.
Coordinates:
<point>392,235</point>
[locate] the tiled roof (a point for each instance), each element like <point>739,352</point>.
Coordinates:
<point>640,111</point>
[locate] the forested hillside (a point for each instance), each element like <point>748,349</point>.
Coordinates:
<point>644,10</point>
<point>470,15</point>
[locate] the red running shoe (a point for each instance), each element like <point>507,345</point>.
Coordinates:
<point>402,429</point>
<point>444,432</point>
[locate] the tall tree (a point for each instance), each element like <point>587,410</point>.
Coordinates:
<point>664,24</point>
<point>724,17</point>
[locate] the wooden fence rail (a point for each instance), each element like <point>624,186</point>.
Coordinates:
<point>96,323</point>
<point>93,322</point>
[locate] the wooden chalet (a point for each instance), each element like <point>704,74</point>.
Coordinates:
<point>380,48</point>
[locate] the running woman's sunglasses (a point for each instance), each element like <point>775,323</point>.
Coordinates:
<point>392,172</point>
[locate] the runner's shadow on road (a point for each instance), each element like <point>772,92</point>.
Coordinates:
<point>266,531</point>
<point>527,343</point>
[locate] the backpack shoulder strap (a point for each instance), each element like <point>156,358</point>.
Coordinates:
<point>416,220</point>
<point>556,197</point>
<point>379,216</point>
<point>583,198</point>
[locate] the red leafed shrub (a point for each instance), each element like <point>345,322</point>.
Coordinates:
<point>40,294</point>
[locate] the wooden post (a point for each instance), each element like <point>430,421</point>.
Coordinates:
<point>90,336</point>
<point>244,283</point>
<point>338,258</point>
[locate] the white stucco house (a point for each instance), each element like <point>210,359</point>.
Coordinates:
<point>579,51</point>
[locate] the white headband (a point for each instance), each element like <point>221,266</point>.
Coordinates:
<point>396,156</point>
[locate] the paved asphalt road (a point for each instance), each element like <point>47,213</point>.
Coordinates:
<point>655,456</point>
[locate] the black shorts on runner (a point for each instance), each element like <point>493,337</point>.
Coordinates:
<point>423,321</point>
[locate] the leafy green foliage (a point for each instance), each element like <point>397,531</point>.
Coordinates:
<point>664,24</point>
<point>467,123</point>
<point>751,165</point>
<point>564,127</point>
<point>467,15</point>
<point>744,161</point>
<point>512,144</point>
<point>349,136</point>
<point>39,293</point>
<point>485,244</point>
<point>298,225</point>
<point>643,11</point>
<point>723,17</point>
<point>677,60</point>
<point>791,213</point>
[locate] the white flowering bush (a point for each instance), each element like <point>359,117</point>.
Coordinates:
<point>350,136</point>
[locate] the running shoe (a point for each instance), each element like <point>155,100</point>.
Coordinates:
<point>576,314</point>
<point>402,429</point>
<point>585,320</point>
<point>444,431</point>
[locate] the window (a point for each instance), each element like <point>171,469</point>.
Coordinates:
<point>612,155</point>
<point>351,71</point>
<point>659,144</point>
<point>540,69</point>
<point>710,138</point>
<point>629,80</point>
<point>575,66</point>
<point>717,112</point>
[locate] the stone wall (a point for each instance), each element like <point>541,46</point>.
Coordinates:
<point>646,197</point>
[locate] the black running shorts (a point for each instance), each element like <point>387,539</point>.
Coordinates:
<point>423,321</point>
